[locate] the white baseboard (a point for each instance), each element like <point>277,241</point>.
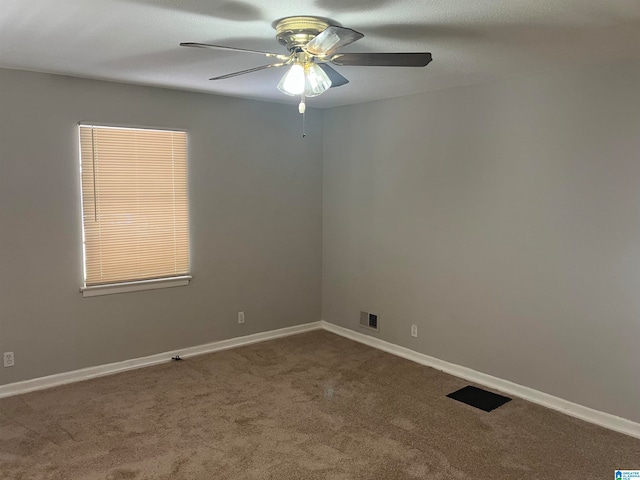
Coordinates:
<point>587,414</point>
<point>606,420</point>
<point>111,368</point>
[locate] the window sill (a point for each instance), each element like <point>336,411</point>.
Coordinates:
<point>126,287</point>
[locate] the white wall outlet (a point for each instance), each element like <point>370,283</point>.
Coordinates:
<point>8,359</point>
<point>414,330</point>
<point>240,317</point>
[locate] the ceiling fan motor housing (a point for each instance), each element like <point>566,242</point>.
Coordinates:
<point>296,32</point>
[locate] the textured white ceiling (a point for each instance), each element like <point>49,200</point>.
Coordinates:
<point>136,41</point>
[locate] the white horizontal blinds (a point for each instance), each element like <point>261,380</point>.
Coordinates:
<point>134,199</point>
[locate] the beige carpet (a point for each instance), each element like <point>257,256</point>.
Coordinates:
<point>312,406</point>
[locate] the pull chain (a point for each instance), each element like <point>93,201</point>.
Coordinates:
<point>302,109</point>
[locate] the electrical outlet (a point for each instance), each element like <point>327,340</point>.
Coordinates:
<point>8,359</point>
<point>414,330</point>
<point>240,317</point>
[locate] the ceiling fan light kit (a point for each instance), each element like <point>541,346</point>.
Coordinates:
<point>304,76</point>
<point>312,43</point>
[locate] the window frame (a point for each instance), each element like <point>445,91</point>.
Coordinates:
<point>131,285</point>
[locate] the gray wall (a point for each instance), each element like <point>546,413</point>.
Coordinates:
<point>255,191</point>
<point>503,220</point>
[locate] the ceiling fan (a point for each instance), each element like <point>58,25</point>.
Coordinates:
<point>313,45</point>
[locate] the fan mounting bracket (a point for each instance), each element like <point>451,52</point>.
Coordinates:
<point>295,32</point>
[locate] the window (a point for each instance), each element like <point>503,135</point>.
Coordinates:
<point>134,209</point>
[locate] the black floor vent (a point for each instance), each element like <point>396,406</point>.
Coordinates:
<point>479,398</point>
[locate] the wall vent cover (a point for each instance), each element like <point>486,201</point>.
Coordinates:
<point>369,320</point>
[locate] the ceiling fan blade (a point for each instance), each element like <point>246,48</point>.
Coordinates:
<point>331,39</point>
<point>337,80</point>
<point>382,59</point>
<point>250,70</point>
<point>233,49</point>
